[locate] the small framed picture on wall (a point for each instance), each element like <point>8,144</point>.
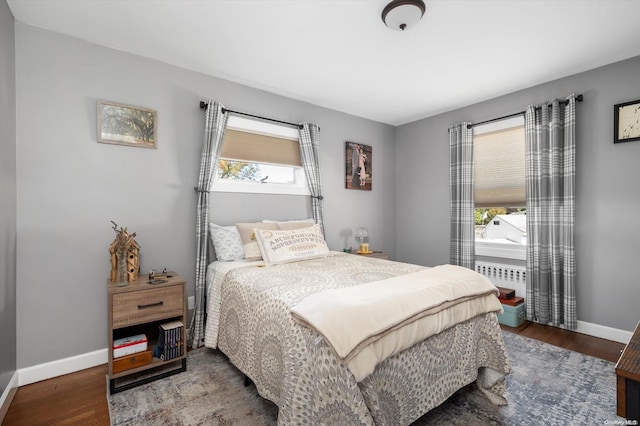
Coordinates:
<point>626,122</point>
<point>358,166</point>
<point>126,125</point>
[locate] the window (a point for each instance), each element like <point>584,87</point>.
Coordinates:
<point>259,157</point>
<point>499,189</point>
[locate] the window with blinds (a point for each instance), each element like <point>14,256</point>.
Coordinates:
<point>260,148</point>
<point>499,189</point>
<point>260,157</point>
<point>498,160</point>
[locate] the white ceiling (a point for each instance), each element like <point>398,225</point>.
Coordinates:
<point>338,53</point>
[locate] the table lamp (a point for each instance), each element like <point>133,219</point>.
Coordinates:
<point>360,234</point>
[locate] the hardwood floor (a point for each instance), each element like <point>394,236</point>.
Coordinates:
<point>73,399</point>
<point>80,398</point>
<point>594,346</point>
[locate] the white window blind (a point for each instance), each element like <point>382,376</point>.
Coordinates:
<point>260,148</point>
<point>499,165</point>
<point>273,154</point>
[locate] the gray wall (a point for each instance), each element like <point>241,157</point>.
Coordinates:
<point>607,194</point>
<point>70,186</point>
<point>8,198</point>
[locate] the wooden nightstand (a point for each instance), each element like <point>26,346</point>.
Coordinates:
<point>140,308</point>
<point>377,254</point>
<point>628,379</point>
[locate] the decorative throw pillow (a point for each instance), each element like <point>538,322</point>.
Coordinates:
<point>250,246</point>
<point>226,242</point>
<point>283,246</point>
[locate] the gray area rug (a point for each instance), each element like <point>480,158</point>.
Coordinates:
<point>549,385</point>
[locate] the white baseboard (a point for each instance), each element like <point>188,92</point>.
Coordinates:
<point>60,367</point>
<point>7,395</point>
<point>604,332</point>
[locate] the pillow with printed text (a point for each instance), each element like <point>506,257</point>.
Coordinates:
<point>284,246</point>
<point>247,235</point>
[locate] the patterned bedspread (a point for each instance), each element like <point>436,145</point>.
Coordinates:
<point>250,321</point>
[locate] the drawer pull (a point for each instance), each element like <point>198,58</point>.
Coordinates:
<point>151,305</point>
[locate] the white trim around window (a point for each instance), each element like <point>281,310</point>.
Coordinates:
<point>299,187</point>
<point>507,123</point>
<point>257,126</point>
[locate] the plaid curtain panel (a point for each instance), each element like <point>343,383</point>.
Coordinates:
<point>309,141</point>
<point>550,140</point>
<point>215,123</point>
<point>461,188</point>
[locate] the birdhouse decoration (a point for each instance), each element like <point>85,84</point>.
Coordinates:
<point>125,256</point>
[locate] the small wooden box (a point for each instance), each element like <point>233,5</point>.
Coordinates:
<point>514,301</point>
<point>131,361</point>
<point>506,293</point>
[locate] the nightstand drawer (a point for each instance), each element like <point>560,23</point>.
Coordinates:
<point>147,305</point>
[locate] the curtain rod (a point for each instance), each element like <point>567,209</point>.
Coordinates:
<point>515,114</point>
<point>203,105</point>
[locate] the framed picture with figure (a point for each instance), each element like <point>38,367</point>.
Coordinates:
<point>358,166</point>
<point>626,122</point>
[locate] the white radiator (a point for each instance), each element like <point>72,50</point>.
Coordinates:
<point>503,275</point>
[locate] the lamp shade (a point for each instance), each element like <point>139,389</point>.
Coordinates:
<point>400,15</point>
<point>361,233</point>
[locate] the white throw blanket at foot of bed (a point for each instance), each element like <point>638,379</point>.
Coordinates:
<point>368,323</point>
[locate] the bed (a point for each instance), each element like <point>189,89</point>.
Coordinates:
<point>249,319</point>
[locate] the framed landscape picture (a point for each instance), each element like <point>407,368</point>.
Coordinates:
<point>626,122</point>
<point>359,158</point>
<point>126,125</point>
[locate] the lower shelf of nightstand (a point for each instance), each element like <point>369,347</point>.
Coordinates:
<point>156,363</point>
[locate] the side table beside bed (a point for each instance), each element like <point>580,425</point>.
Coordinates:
<point>628,379</point>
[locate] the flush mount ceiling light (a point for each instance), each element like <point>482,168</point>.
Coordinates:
<point>400,15</point>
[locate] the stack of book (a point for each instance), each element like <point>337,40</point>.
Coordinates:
<point>129,345</point>
<point>508,297</point>
<point>170,341</point>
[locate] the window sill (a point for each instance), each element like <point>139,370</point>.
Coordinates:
<point>260,188</point>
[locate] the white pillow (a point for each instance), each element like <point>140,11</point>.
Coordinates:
<point>309,220</point>
<point>283,246</point>
<point>284,226</point>
<point>247,235</point>
<point>226,242</point>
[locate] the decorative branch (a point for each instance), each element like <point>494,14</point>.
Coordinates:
<point>123,238</point>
